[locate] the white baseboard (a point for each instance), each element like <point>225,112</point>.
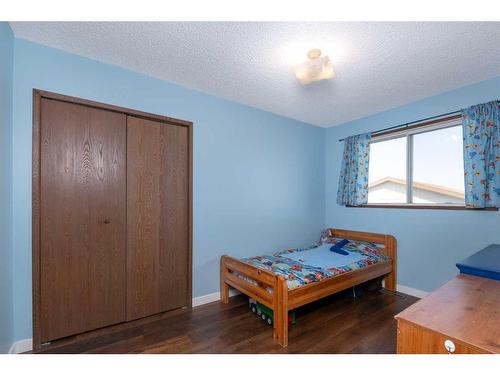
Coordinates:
<point>208,298</point>
<point>411,291</point>
<point>212,297</point>
<point>21,346</point>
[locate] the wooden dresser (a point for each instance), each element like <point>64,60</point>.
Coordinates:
<point>461,317</point>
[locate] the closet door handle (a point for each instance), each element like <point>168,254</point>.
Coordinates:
<point>107,221</point>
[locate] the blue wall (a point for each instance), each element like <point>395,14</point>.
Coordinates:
<point>6,308</point>
<point>258,178</point>
<point>430,242</point>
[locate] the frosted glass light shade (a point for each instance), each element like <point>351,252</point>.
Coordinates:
<point>314,69</point>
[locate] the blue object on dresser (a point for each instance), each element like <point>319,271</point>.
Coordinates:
<point>484,263</point>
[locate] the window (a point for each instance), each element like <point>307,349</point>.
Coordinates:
<point>387,174</point>
<point>421,165</point>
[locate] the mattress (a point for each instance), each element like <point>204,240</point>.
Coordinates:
<point>315,263</point>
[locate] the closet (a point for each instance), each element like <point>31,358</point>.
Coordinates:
<point>112,215</point>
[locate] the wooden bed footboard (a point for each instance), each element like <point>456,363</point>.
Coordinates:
<point>263,280</point>
<point>272,290</point>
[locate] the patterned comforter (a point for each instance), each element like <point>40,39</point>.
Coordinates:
<point>298,273</point>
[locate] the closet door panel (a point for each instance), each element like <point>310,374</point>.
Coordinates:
<point>175,273</point>
<point>143,211</point>
<point>157,217</point>
<point>82,218</point>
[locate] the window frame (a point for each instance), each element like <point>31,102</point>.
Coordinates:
<point>409,132</point>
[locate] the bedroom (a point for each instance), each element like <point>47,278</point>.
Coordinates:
<point>190,148</point>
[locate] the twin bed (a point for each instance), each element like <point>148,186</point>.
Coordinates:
<point>293,278</point>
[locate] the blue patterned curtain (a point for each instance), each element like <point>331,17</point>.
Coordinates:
<point>481,128</point>
<point>353,182</point>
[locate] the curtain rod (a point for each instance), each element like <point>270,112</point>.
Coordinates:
<point>412,122</point>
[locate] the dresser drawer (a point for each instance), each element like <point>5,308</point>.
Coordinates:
<point>413,339</point>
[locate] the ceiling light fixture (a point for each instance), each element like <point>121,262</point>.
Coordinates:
<point>316,68</point>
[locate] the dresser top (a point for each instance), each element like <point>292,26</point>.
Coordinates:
<point>466,308</point>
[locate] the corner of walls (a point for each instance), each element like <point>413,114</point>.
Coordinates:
<point>324,148</point>
<point>430,242</point>
<point>6,252</point>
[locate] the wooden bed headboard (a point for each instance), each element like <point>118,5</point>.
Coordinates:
<point>389,242</point>
<point>360,236</point>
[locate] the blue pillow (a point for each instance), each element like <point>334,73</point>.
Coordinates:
<point>337,248</point>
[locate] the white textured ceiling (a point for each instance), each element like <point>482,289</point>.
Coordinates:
<point>379,65</point>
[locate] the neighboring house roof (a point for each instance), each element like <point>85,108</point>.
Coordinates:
<point>420,185</point>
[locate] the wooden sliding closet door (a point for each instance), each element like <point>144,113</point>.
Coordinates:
<point>82,218</point>
<point>158,245</point>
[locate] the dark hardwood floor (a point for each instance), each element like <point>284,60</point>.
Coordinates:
<point>337,324</point>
